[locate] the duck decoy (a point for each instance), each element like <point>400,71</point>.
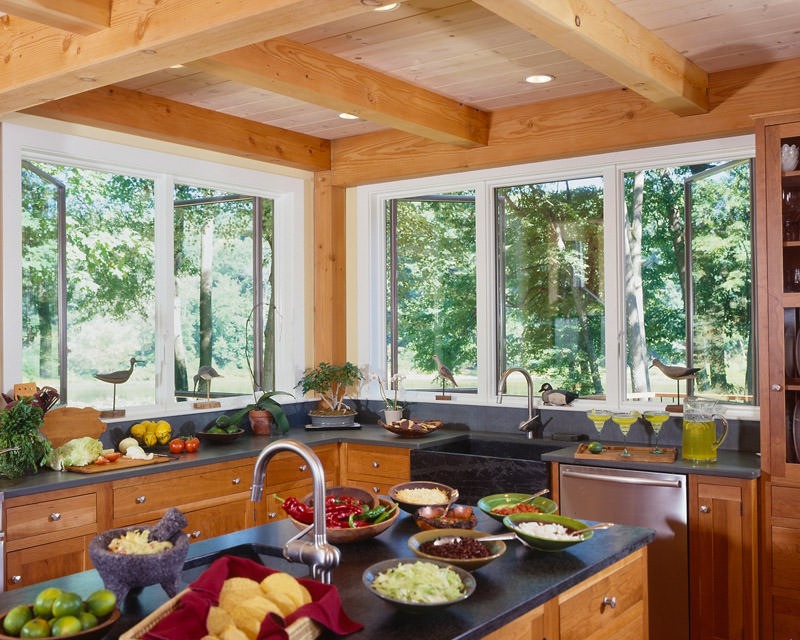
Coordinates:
<point>677,373</point>
<point>557,397</point>
<point>207,374</point>
<point>115,378</point>
<point>443,371</point>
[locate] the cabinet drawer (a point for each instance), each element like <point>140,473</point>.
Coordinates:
<point>51,516</point>
<point>139,496</point>
<point>381,462</point>
<point>786,557</point>
<point>785,502</point>
<point>46,562</point>
<point>380,486</point>
<point>607,603</point>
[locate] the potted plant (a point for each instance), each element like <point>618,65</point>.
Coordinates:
<point>262,414</point>
<point>331,382</point>
<point>393,409</point>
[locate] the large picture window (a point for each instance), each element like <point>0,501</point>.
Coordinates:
<point>135,267</point>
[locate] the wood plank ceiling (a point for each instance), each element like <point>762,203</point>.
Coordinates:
<point>285,69</point>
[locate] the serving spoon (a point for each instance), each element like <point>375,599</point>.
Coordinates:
<point>511,535</point>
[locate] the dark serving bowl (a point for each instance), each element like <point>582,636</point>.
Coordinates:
<point>488,503</point>
<point>411,428</point>
<point>374,570</point>
<point>219,438</point>
<point>458,516</point>
<point>411,507</point>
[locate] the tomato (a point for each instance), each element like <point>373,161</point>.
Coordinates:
<point>111,457</point>
<point>176,445</point>
<point>192,445</point>
<point>101,460</point>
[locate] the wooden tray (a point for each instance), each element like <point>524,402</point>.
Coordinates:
<point>300,629</point>
<point>119,463</point>
<point>638,454</point>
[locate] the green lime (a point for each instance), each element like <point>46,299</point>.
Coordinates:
<point>88,620</point>
<point>43,605</point>
<point>595,447</point>
<point>101,603</point>
<point>66,626</point>
<point>67,604</point>
<point>15,618</point>
<point>36,628</point>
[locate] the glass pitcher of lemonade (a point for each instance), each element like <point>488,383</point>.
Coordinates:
<point>700,442</point>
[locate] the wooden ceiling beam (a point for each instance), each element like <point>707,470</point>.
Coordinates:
<point>304,73</point>
<point>75,16</point>
<point>126,111</point>
<point>42,63</point>
<point>608,40</point>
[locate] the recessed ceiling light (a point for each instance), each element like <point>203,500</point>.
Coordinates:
<point>388,7</point>
<point>380,5</point>
<point>348,116</point>
<point>176,66</point>
<point>539,78</point>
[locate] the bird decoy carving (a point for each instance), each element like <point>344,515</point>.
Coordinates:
<point>444,372</point>
<point>557,397</point>
<point>115,378</point>
<point>207,374</point>
<point>677,373</point>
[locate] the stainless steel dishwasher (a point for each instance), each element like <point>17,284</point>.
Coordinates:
<point>645,499</point>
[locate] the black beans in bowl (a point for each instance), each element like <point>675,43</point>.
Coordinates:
<point>468,553</point>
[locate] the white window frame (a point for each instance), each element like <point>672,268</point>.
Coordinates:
<point>288,193</point>
<point>370,229</point>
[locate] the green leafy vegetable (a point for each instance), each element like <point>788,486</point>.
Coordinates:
<point>419,582</point>
<point>19,427</point>
<point>75,453</point>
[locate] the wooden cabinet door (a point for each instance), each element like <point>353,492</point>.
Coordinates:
<point>529,626</point>
<point>46,562</point>
<point>723,562</point>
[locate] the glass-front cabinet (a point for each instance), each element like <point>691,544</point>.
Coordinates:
<point>778,259</point>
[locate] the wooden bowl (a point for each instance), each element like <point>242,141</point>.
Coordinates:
<point>411,507</point>
<point>346,536</point>
<point>459,516</point>
<point>496,547</point>
<point>365,495</point>
<point>219,438</point>
<point>411,428</point>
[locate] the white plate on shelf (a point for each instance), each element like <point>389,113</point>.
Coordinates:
<point>796,428</point>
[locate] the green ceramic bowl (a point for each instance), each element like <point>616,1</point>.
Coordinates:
<point>487,504</point>
<point>513,521</point>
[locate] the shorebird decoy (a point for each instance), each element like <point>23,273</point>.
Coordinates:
<point>444,372</point>
<point>207,374</point>
<point>115,378</point>
<point>557,397</point>
<point>676,373</point>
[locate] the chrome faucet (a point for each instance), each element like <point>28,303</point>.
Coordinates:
<point>534,422</point>
<point>320,556</point>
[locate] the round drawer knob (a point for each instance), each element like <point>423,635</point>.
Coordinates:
<point>376,489</point>
<point>775,387</point>
<point>272,515</point>
<point>236,481</point>
<point>375,464</point>
<point>195,534</point>
<point>610,601</point>
<point>303,467</point>
<point>55,516</point>
<point>704,508</point>
<point>15,579</point>
<point>141,499</point>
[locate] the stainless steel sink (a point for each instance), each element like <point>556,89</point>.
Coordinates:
<point>268,555</point>
<point>479,466</point>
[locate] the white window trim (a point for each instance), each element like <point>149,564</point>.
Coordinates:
<point>288,193</point>
<point>371,298</point>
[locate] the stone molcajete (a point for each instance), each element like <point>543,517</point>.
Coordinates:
<point>122,573</point>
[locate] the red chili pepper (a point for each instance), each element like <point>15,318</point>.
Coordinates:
<point>296,509</point>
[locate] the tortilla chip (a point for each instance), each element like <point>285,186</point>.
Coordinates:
<point>218,620</point>
<point>232,633</point>
<point>236,590</point>
<point>286,584</point>
<point>283,601</point>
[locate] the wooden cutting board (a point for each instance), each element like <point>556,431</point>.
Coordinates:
<point>65,423</point>
<point>638,454</point>
<point>118,464</point>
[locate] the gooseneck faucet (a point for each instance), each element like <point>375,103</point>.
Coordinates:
<point>534,422</point>
<point>320,556</point>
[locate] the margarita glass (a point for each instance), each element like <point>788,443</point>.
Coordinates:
<point>656,420</point>
<point>625,420</point>
<point>598,417</point>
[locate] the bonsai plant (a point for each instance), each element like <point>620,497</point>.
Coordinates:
<point>331,382</point>
<point>263,403</point>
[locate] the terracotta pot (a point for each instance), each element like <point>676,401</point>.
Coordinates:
<point>260,422</point>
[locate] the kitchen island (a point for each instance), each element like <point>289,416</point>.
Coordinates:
<point>518,582</point>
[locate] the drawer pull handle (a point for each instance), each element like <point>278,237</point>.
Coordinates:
<point>303,467</point>
<point>375,464</point>
<point>15,579</point>
<point>272,515</point>
<point>610,602</point>
<point>55,516</point>
<point>237,481</point>
<point>376,489</point>
<point>704,508</point>
<point>141,499</point>
<point>775,387</point>
<point>195,534</point>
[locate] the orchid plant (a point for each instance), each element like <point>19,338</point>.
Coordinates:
<point>392,383</point>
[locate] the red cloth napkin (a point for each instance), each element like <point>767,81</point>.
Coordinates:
<point>188,621</point>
